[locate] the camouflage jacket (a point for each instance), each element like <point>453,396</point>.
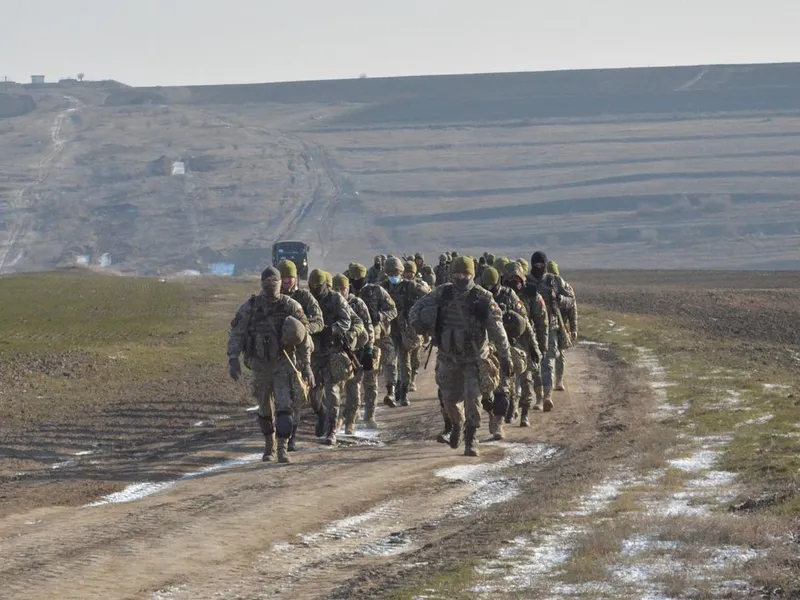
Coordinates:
<point>569,307</point>
<point>404,294</point>
<point>507,299</point>
<point>442,273</point>
<point>338,320</point>
<point>374,274</point>
<point>256,330</point>
<point>552,289</point>
<point>456,339</point>
<point>311,308</point>
<point>537,315</point>
<point>381,307</point>
<point>364,323</point>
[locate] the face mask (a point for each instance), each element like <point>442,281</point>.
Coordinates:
<point>378,264</point>
<point>462,285</point>
<point>538,270</point>
<point>271,287</point>
<point>357,284</point>
<point>317,291</point>
<point>394,279</point>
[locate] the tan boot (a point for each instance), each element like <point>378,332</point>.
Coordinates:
<point>499,434</point>
<point>559,386</point>
<point>283,455</point>
<point>492,424</point>
<point>349,428</point>
<point>539,398</point>
<point>470,443</point>
<point>547,401</point>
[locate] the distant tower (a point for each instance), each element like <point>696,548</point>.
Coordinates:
<point>37,78</point>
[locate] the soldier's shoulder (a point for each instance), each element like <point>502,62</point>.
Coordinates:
<point>291,303</point>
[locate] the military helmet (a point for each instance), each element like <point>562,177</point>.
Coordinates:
<point>513,269</point>
<point>552,267</point>
<point>524,264</point>
<point>410,267</point>
<point>490,259</point>
<point>293,333</point>
<point>393,265</point>
<point>490,277</point>
<point>270,272</point>
<point>340,282</point>
<point>514,324</point>
<point>500,262</point>
<point>356,271</point>
<point>454,254</point>
<point>418,256</point>
<point>443,258</point>
<point>328,278</point>
<point>538,258</point>
<point>287,268</point>
<point>463,264</point>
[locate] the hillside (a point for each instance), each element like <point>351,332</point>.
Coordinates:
<point>647,168</point>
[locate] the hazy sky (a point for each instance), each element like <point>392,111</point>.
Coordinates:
<point>163,42</point>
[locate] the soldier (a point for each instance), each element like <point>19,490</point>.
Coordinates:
<point>375,271</point>
<point>330,361</point>
<point>410,274</point>
<point>442,270</point>
<point>463,318</point>
<point>551,289</point>
<point>490,260</point>
<point>265,328</point>
<point>531,382</point>
<point>524,264</point>
<point>310,306</point>
<point>365,340</point>
<point>382,312</point>
<point>568,306</point>
<point>404,292</point>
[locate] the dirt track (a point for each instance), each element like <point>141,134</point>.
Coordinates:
<point>329,521</point>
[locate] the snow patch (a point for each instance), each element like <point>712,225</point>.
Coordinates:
<point>762,420</point>
<point>83,453</point>
<point>777,386</point>
<point>350,527</point>
<point>63,465</point>
<point>516,454</point>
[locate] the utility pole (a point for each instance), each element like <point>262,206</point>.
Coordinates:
<point>5,82</point>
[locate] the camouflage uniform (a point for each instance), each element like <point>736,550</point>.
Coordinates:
<point>399,344</point>
<point>568,305</point>
<point>375,271</point>
<point>352,388</point>
<point>442,270</point>
<point>382,311</point>
<point>551,289</point>
<point>328,350</point>
<point>464,318</point>
<point>256,330</point>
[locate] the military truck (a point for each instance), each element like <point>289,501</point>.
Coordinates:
<point>295,251</point>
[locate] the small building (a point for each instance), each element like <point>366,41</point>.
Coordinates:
<point>37,79</point>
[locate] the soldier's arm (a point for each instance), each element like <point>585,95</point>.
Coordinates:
<point>530,344</point>
<point>494,328</point>
<point>237,334</point>
<point>387,309</point>
<point>342,320</point>
<point>316,323</point>
<point>572,314</point>
<point>416,310</point>
<point>516,304</point>
<point>363,313</point>
<point>540,321</point>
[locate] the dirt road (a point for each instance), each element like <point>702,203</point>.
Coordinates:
<point>243,529</point>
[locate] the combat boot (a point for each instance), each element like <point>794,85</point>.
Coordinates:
<point>333,418</point>
<point>369,417</point>
<point>388,399</point>
<point>547,402</point>
<point>444,437</point>
<point>283,444</point>
<point>455,435</point>
<point>492,424</point>
<point>539,398</point>
<point>402,395</point>
<point>523,418</point>
<point>499,433</point>
<point>268,430</point>
<point>350,427</point>
<point>470,443</point>
<point>559,386</point>
<point>292,445</point>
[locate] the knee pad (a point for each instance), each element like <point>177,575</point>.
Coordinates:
<point>501,402</point>
<point>284,424</point>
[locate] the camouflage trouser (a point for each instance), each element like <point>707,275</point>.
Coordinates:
<point>559,365</point>
<point>371,386</point>
<point>352,397</point>
<point>398,362</point>
<point>545,378</point>
<point>330,391</point>
<point>461,391</point>
<point>414,361</point>
<point>527,381</point>
<point>272,389</point>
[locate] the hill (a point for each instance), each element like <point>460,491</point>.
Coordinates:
<point>647,168</point>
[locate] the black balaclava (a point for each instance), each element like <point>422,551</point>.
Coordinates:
<point>271,282</point>
<point>538,264</point>
<point>357,284</point>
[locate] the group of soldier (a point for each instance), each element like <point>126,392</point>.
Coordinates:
<point>501,328</point>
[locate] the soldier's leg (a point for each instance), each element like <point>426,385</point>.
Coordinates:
<point>412,383</point>
<point>527,382</point>
<point>559,382</point>
<point>261,389</point>
<point>390,372</point>
<point>451,386</point>
<point>404,368</point>
<point>371,392</point>
<point>472,408</point>
<point>548,363</point>
<point>332,406</point>
<point>284,412</point>
<point>352,393</point>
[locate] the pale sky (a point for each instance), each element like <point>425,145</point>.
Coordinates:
<point>173,42</point>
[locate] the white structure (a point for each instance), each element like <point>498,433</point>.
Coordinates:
<point>37,78</point>
<point>178,168</point>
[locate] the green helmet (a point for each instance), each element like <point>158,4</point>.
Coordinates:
<point>341,282</point>
<point>490,277</point>
<point>287,268</point>
<point>293,333</point>
<point>463,264</point>
<point>393,265</point>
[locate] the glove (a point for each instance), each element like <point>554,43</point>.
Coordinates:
<point>487,403</point>
<point>368,359</point>
<point>506,366</point>
<point>308,374</point>
<point>234,368</point>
